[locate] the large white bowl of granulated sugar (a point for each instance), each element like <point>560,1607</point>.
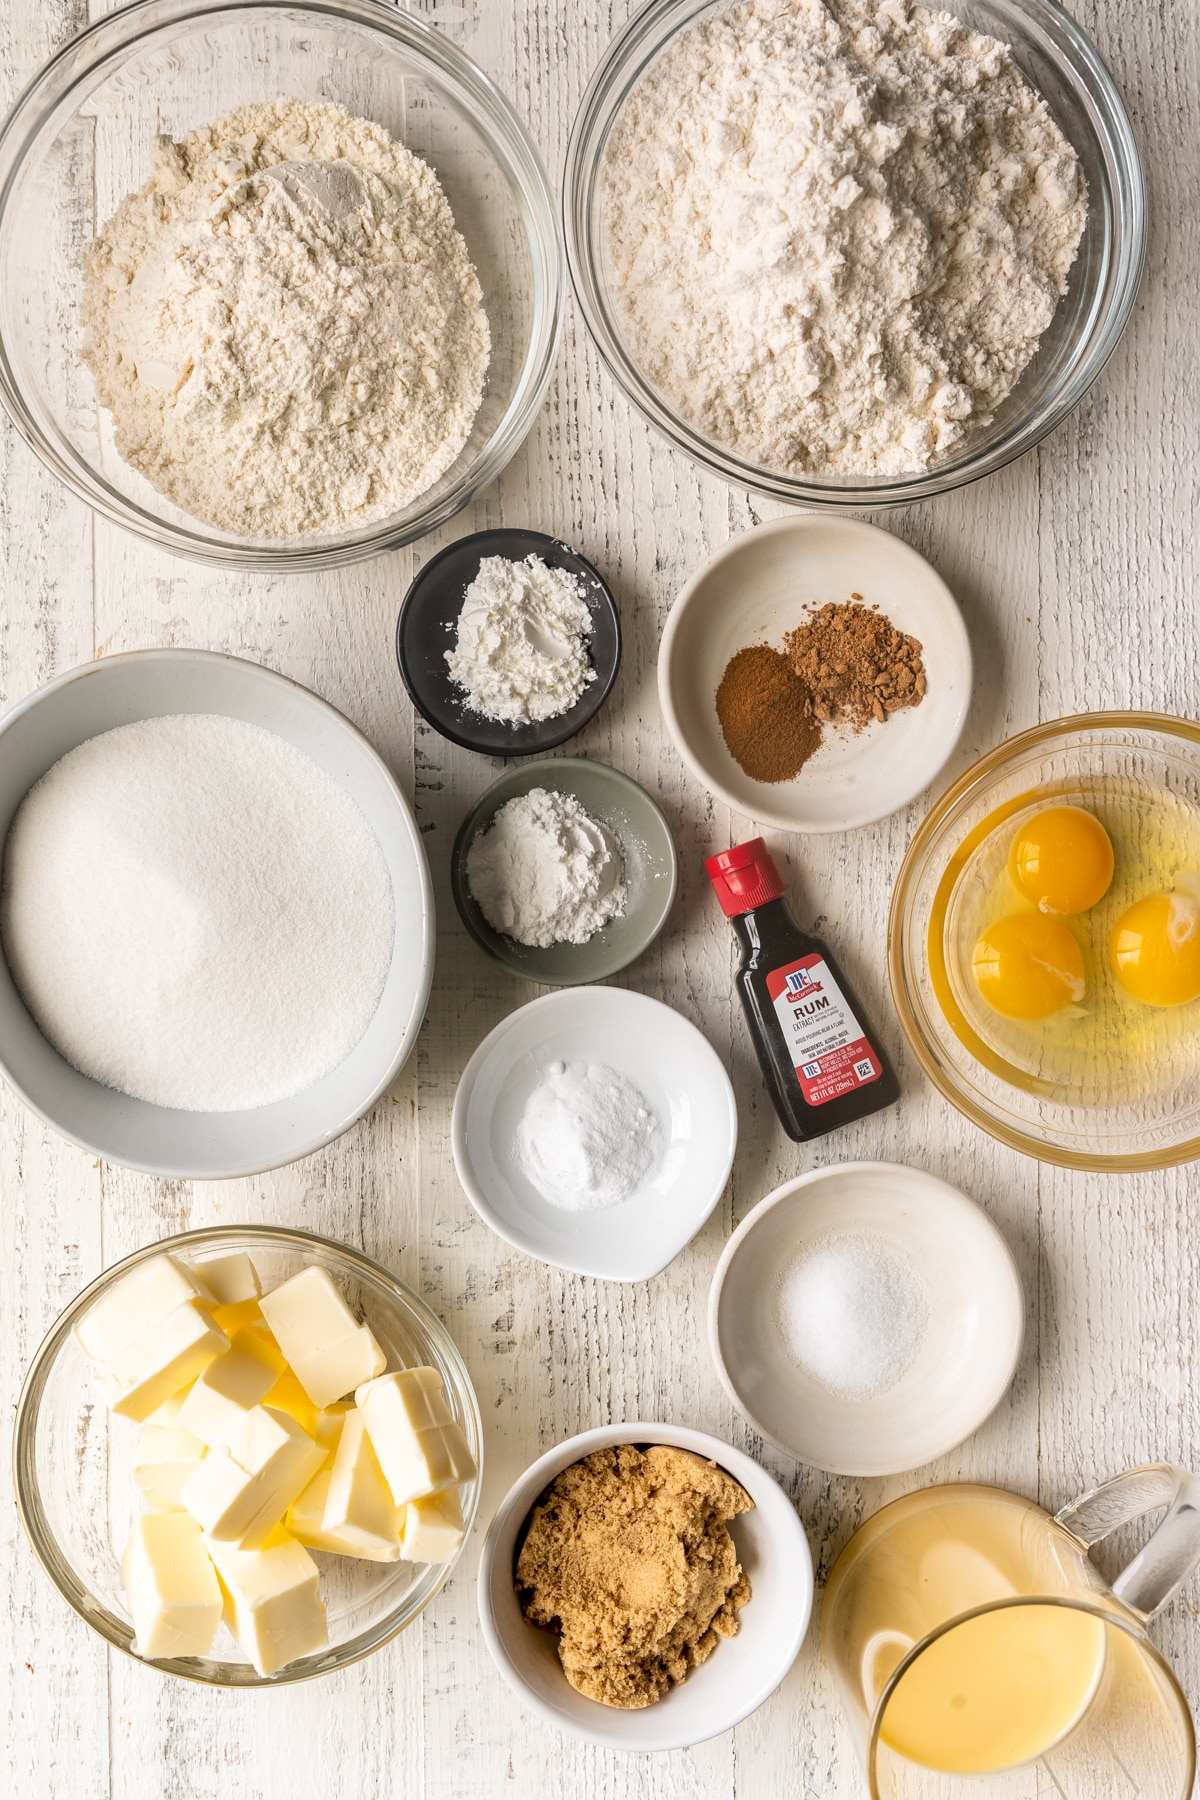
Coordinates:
<point>215,913</point>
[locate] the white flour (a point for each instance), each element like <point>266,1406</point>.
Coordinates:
<point>587,1137</point>
<point>545,872</point>
<point>838,230</point>
<point>196,914</point>
<point>521,647</point>
<point>285,323</point>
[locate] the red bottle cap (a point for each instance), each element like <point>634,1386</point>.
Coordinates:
<point>744,877</point>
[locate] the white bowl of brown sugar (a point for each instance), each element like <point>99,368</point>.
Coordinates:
<point>675,1661</point>
<point>815,674</point>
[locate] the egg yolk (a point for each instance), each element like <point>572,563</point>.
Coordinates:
<point>1028,966</point>
<point>1062,860</point>
<point>1156,946</point>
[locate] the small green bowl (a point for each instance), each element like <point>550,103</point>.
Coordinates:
<point>651,870</point>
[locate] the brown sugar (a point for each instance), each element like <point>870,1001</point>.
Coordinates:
<point>628,1558</point>
<point>855,664</point>
<point>766,714</point>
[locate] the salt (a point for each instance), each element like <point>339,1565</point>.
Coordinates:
<point>587,1137</point>
<point>196,914</point>
<point>852,1312</point>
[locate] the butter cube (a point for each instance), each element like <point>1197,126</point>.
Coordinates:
<point>220,1398</point>
<point>165,1459</point>
<point>170,1353</point>
<point>288,1396</point>
<point>170,1587</point>
<point>230,1280</point>
<point>273,1601</point>
<point>168,1412</point>
<point>306,1523</point>
<point>326,1375</point>
<point>432,1528</point>
<point>420,1448</point>
<point>328,1429</point>
<point>243,1487</point>
<point>358,1504</point>
<point>135,1303</point>
<point>329,1351</point>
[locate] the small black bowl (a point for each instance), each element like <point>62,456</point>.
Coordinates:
<point>426,627</point>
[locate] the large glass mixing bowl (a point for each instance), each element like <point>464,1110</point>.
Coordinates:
<point>73,1459</point>
<point>1113,1084</point>
<point>1062,64</point>
<point>79,139</point>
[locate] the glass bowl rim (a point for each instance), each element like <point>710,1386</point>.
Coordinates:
<point>25,1488</point>
<point>940,814</point>
<point>72,67</point>
<point>621,66</point>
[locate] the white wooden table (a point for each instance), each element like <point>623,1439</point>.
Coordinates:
<point>1077,571</point>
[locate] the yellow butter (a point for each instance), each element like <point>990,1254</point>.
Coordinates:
<point>170,1587</point>
<point>169,1354</point>
<point>165,1459</point>
<point>358,1504</point>
<point>220,1397</point>
<point>273,1602</point>
<point>420,1449</point>
<point>432,1529</point>
<point>243,1487</point>
<point>230,1280</point>
<point>306,1522</point>
<point>133,1304</point>
<point>327,1348</point>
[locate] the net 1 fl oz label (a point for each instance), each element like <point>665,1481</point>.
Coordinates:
<point>824,1039</point>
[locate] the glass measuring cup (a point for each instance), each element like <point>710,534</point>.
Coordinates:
<point>979,1649</point>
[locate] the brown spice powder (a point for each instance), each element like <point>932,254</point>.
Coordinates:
<point>855,664</point>
<point>766,714</point>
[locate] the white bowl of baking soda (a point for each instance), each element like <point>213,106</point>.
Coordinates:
<point>215,913</point>
<point>595,1128</point>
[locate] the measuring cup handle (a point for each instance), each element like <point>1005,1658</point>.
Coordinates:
<point>1164,1563</point>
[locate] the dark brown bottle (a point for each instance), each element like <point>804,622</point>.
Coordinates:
<point>822,1064</point>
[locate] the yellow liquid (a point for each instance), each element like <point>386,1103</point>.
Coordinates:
<point>997,1691</point>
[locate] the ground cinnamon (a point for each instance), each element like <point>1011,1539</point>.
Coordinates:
<point>855,664</point>
<point>766,714</point>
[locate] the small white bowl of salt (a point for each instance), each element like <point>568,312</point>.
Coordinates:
<point>595,1128</point>
<point>866,1318</point>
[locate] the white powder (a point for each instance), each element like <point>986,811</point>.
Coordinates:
<point>545,872</point>
<point>196,914</point>
<point>837,230</point>
<point>521,647</point>
<point>587,1137</point>
<point>285,323</point>
<point>852,1312</point>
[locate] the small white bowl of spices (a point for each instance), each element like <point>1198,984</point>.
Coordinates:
<point>866,1318</point>
<point>815,674</point>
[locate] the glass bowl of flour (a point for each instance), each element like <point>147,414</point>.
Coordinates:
<point>283,282</point>
<point>855,252</point>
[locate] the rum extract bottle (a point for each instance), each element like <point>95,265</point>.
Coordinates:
<point>821,1062</point>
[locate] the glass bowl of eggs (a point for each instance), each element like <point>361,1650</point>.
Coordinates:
<point>1044,942</point>
<point>129,1472</point>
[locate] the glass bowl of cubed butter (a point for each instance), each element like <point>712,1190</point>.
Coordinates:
<point>247,1455</point>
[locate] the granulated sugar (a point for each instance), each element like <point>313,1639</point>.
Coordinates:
<point>196,914</point>
<point>852,1312</point>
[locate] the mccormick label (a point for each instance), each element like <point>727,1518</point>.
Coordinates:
<point>824,1039</point>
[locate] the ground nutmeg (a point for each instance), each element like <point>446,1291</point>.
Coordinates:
<point>766,715</point>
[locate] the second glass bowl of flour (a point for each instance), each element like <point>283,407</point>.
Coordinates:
<point>841,245</point>
<point>103,364</point>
